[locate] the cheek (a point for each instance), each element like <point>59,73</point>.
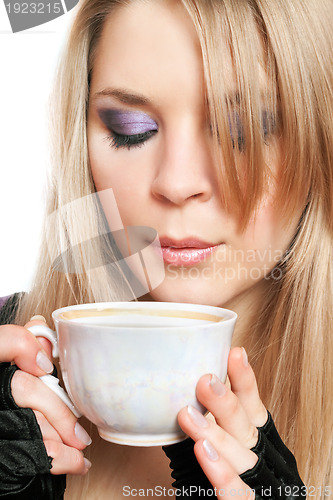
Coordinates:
<point>99,158</point>
<point>268,236</point>
<point>119,170</point>
<point>104,165</point>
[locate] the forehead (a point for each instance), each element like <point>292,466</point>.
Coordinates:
<point>152,47</point>
<point>148,46</point>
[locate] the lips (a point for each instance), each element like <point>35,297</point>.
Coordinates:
<point>186,252</point>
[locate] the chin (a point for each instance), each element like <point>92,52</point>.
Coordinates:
<point>191,293</point>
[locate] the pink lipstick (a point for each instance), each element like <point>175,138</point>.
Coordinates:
<point>187,252</point>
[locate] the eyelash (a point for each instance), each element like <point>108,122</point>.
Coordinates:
<point>118,141</point>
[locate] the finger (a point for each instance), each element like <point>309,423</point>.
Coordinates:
<point>227,410</point>
<point>195,425</point>
<point>220,473</point>
<point>244,386</point>
<point>46,344</point>
<point>66,460</point>
<point>18,345</point>
<point>48,432</point>
<point>30,392</point>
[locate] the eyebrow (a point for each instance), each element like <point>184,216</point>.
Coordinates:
<point>124,96</point>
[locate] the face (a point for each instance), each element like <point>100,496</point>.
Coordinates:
<point>149,141</point>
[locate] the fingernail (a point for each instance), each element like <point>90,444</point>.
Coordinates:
<point>217,387</point>
<point>39,317</point>
<point>82,434</point>
<point>210,450</point>
<point>87,463</point>
<point>196,417</point>
<point>44,362</point>
<point>245,358</point>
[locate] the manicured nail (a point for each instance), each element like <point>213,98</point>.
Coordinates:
<point>210,450</point>
<point>196,417</point>
<point>245,358</point>
<point>82,434</point>
<point>87,463</point>
<point>44,362</point>
<point>39,317</point>
<point>217,387</point>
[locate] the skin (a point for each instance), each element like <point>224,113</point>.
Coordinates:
<point>168,183</point>
<point>56,421</point>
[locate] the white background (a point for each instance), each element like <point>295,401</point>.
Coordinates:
<point>27,62</point>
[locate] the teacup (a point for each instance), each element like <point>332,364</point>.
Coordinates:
<point>129,367</point>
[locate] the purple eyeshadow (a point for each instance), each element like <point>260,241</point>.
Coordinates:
<point>127,122</point>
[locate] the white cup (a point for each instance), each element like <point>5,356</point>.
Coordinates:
<point>129,367</point>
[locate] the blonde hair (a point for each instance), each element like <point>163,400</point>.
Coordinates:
<point>291,341</point>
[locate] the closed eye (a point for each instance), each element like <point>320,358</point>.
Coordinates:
<point>127,128</point>
<point>118,141</point>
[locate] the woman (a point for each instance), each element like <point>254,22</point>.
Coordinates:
<point>211,122</point>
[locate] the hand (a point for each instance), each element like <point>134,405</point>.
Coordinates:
<point>228,449</point>
<point>63,437</point>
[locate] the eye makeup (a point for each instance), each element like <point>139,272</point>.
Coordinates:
<point>134,128</point>
<point>236,128</point>
<point>127,122</point>
<point>268,123</point>
<point>127,128</point>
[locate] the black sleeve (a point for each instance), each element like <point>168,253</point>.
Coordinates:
<point>274,477</point>
<point>24,464</point>
<point>190,479</point>
<point>8,310</point>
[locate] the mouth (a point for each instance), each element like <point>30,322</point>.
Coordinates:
<point>186,252</point>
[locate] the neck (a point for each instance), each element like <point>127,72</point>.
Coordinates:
<point>246,306</point>
<point>118,471</point>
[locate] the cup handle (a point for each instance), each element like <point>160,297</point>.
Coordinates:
<point>53,383</point>
<point>46,332</point>
<point>49,380</point>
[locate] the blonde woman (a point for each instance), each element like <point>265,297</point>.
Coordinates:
<point>211,121</point>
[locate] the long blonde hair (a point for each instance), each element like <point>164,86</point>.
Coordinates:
<point>291,341</point>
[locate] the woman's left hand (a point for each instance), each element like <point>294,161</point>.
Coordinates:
<point>223,447</point>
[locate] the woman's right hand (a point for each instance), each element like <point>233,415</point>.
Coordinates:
<point>64,438</point>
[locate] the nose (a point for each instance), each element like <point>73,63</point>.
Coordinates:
<point>184,171</point>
